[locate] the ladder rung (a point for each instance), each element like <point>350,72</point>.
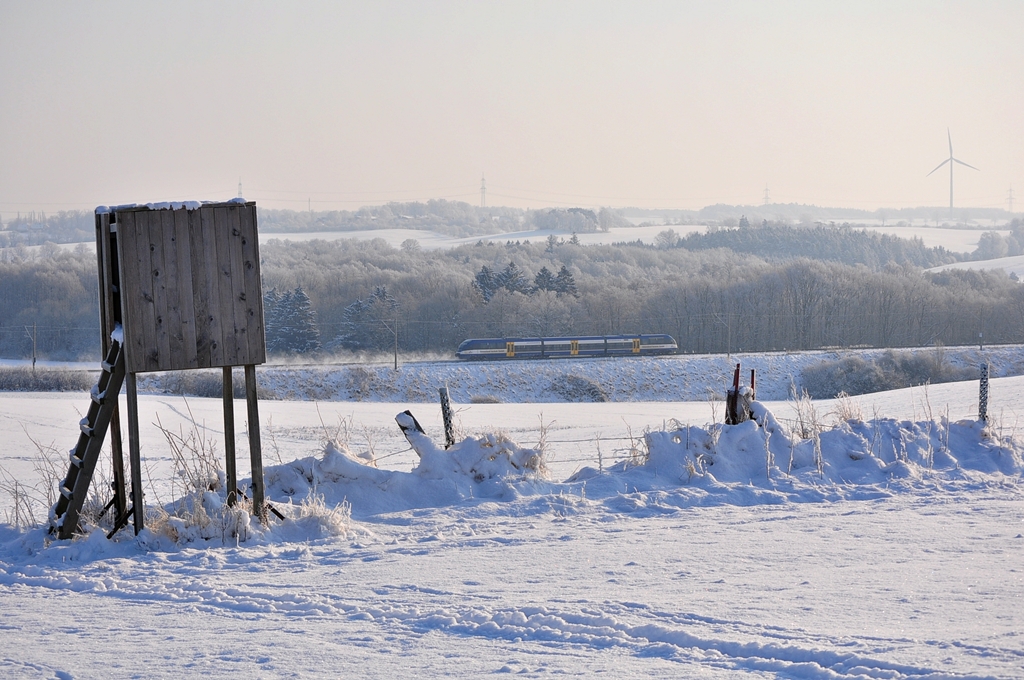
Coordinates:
<point>66,492</point>
<point>107,366</point>
<point>85,427</point>
<point>75,460</point>
<point>96,395</point>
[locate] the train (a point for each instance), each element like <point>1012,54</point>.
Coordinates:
<point>553,348</point>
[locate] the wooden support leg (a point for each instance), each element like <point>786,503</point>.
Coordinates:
<point>255,450</point>
<point>134,453</point>
<point>117,460</point>
<point>229,437</point>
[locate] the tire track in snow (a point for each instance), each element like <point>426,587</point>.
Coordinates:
<point>644,632</point>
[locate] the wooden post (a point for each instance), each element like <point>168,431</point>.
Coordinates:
<point>134,454</point>
<point>117,465</point>
<point>413,432</point>
<point>983,394</point>
<point>229,437</point>
<point>446,415</point>
<point>732,399</point>
<point>259,500</point>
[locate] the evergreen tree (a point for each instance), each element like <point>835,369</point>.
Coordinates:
<point>565,284</point>
<point>369,323</point>
<point>303,334</point>
<point>486,282</point>
<point>545,280</point>
<point>514,280</point>
<point>273,321</point>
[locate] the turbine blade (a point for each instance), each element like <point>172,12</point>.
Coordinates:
<point>962,163</point>
<point>939,166</point>
<point>950,137</point>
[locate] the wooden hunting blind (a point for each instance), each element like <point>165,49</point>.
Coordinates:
<point>180,289</point>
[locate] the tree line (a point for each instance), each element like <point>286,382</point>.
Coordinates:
<point>359,295</point>
<point>842,243</point>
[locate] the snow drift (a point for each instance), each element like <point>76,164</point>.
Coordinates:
<point>759,461</point>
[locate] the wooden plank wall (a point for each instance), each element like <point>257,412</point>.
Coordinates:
<point>191,289</point>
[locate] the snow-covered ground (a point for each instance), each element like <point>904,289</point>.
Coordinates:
<point>430,240</point>
<point>1010,265</point>
<point>672,378</point>
<point>889,546</point>
<point>956,240</point>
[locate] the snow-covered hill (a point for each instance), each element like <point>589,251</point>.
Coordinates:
<point>677,378</point>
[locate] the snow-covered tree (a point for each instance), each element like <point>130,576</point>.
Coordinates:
<point>514,280</point>
<point>369,323</point>
<point>290,322</point>
<point>486,281</point>
<point>544,280</point>
<point>565,284</point>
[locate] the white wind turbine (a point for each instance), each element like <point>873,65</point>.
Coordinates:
<point>951,160</point>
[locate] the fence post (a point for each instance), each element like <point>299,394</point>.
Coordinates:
<point>983,394</point>
<point>732,399</point>
<point>446,414</point>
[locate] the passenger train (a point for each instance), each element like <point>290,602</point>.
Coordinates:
<point>552,348</point>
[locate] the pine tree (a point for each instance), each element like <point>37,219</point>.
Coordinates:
<point>304,334</point>
<point>565,284</point>
<point>514,280</point>
<point>273,321</point>
<point>369,323</point>
<point>486,282</point>
<point>544,280</point>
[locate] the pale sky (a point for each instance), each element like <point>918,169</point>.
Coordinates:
<point>658,104</point>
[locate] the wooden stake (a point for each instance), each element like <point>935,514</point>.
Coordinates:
<point>259,500</point>
<point>134,454</point>
<point>229,437</point>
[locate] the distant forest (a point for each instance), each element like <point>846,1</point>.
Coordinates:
<point>350,295</point>
<point>773,241</point>
<point>452,218</point>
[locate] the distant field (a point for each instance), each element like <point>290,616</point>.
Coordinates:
<point>1011,265</point>
<point>955,240</point>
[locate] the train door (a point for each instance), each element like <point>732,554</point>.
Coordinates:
<point>510,349</point>
<point>636,345</point>
<point>574,347</point>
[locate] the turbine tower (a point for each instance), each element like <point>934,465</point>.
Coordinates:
<point>951,160</point>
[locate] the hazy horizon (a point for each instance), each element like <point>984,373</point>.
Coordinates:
<point>659,105</point>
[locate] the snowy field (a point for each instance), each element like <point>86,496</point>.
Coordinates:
<point>1010,265</point>
<point>430,240</point>
<point>956,240</point>
<point>888,546</point>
